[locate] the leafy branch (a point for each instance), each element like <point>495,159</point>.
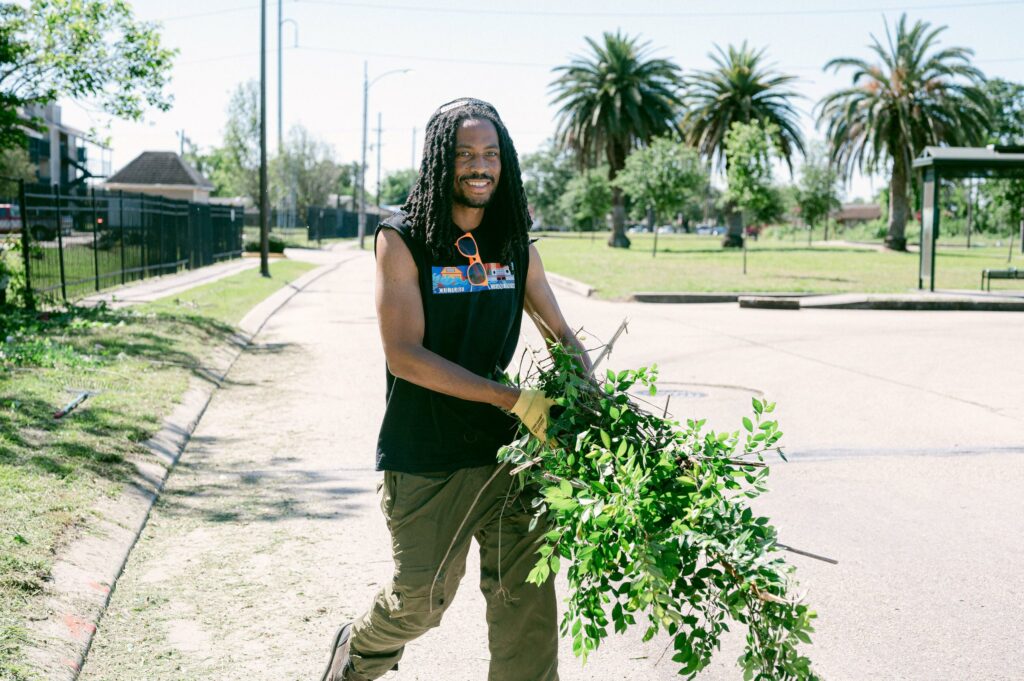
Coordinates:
<point>651,518</point>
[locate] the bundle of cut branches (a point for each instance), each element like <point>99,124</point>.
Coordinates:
<point>651,518</point>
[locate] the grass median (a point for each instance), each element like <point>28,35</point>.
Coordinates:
<point>136,365</point>
<point>686,262</point>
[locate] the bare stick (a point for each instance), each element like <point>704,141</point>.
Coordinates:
<point>824,559</point>
<point>624,326</point>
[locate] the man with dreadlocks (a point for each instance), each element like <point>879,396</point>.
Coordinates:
<point>455,269</point>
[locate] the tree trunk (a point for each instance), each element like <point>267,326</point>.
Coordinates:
<point>734,223</point>
<point>618,238</point>
<point>899,208</point>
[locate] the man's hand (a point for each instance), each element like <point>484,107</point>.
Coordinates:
<point>534,409</point>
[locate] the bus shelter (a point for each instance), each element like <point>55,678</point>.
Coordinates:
<point>945,163</point>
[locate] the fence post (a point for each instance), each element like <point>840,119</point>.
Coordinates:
<point>26,245</point>
<point>144,229</point>
<point>60,244</point>
<point>120,210</point>
<point>95,240</point>
<point>162,215</point>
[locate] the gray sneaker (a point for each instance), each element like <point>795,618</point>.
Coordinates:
<point>339,661</point>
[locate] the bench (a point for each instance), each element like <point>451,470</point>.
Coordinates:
<point>1010,273</point>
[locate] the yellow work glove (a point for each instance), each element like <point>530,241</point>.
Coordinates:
<point>534,409</point>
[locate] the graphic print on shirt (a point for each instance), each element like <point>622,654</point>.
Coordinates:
<point>453,278</point>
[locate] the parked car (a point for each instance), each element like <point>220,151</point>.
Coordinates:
<point>10,218</point>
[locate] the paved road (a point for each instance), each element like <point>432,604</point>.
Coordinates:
<point>904,430</point>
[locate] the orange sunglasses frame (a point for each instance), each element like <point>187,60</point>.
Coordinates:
<point>473,259</point>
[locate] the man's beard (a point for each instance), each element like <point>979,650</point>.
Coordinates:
<point>459,196</point>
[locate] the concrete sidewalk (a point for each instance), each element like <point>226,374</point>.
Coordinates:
<point>903,428</point>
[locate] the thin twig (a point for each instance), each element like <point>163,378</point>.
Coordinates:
<point>815,556</point>
<point>624,326</point>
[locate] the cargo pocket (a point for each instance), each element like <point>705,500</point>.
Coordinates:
<point>388,489</point>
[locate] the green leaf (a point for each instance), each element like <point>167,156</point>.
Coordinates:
<point>758,407</point>
<point>748,424</point>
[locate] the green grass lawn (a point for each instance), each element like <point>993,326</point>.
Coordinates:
<point>687,262</point>
<point>139,362</point>
<point>292,238</point>
<point>229,299</point>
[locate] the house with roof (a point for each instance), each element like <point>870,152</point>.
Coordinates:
<point>161,173</point>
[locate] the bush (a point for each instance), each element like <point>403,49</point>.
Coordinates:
<point>275,243</point>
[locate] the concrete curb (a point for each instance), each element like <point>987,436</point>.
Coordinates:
<point>704,297</point>
<point>86,570</point>
<point>577,287</point>
<point>907,302</point>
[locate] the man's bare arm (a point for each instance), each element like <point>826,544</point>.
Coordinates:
<point>400,316</point>
<point>543,308</point>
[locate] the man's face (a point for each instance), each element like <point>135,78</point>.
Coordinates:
<point>477,163</point>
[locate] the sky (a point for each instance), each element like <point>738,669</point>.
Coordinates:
<point>502,52</point>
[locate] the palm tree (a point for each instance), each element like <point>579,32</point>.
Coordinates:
<point>740,89</point>
<point>612,101</point>
<point>914,95</point>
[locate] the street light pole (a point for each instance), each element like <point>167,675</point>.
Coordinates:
<point>367,83</point>
<point>264,207</point>
<point>378,162</point>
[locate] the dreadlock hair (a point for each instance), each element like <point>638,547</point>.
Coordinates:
<point>429,206</point>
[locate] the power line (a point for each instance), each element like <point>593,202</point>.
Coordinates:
<point>494,62</point>
<point>663,15</point>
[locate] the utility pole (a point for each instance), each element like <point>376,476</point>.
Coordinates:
<point>362,163</point>
<point>413,165</point>
<point>281,21</point>
<point>181,143</point>
<point>264,205</point>
<point>362,166</point>
<point>378,163</point>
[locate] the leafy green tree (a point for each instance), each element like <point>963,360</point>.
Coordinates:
<point>587,199</point>
<point>611,101</point>
<point>666,175</point>
<point>546,173</point>
<point>1007,109</point>
<point>306,166</point>
<point>915,94</point>
<point>15,165</point>
<point>234,166</point>
<point>92,51</point>
<point>749,147</point>
<point>396,186</point>
<point>818,192</point>
<point>740,89</point>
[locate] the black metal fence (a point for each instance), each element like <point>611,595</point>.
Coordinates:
<point>335,223</point>
<point>83,241</point>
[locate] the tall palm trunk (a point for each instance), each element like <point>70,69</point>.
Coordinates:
<point>618,239</point>
<point>616,162</point>
<point>899,206</point>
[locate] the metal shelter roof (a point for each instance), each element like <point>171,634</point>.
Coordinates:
<point>991,161</point>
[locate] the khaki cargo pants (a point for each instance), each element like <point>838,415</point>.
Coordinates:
<point>424,512</point>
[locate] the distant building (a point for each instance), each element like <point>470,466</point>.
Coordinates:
<point>856,213</point>
<point>60,153</point>
<point>161,173</point>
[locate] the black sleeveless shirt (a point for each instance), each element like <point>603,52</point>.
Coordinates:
<point>476,327</point>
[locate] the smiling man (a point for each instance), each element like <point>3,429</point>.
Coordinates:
<point>455,270</point>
